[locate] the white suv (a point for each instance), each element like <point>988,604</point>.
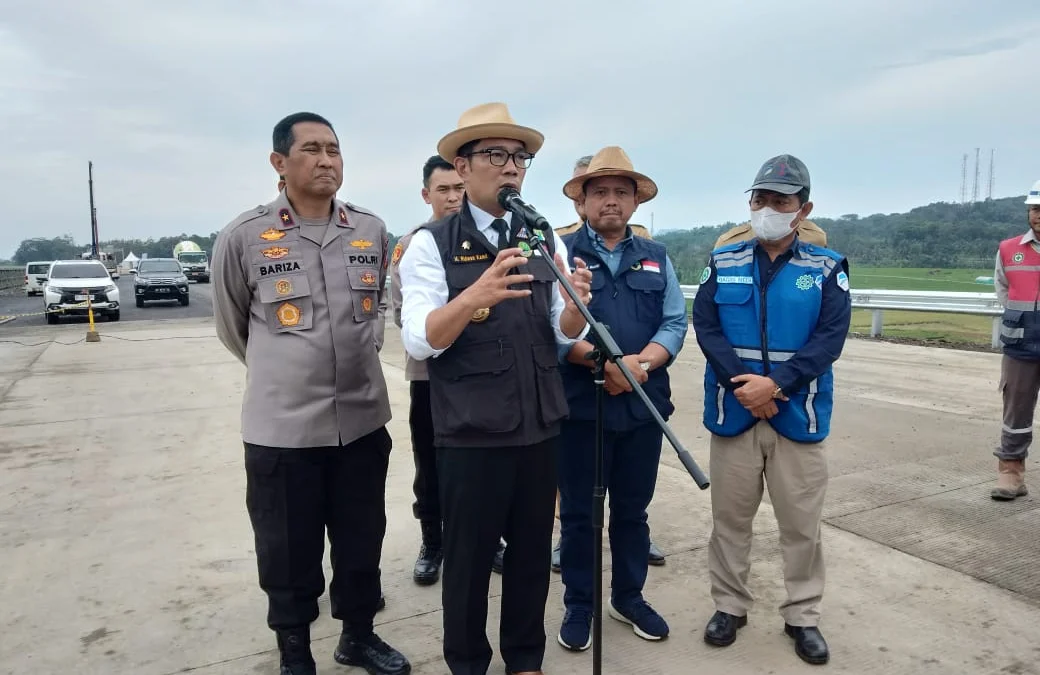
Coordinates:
<point>71,282</point>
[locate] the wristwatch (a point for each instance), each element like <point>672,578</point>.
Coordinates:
<point>778,392</point>
<point>645,365</point>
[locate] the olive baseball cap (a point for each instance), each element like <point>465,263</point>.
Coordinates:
<point>785,174</point>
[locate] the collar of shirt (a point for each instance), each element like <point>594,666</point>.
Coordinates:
<point>1028,237</point>
<point>599,244</point>
<point>482,219</point>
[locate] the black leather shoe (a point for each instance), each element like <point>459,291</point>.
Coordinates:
<point>372,654</point>
<point>721,630</point>
<point>809,644</point>
<point>499,560</point>
<point>294,649</point>
<point>555,564</point>
<point>656,557</point>
<point>428,566</point>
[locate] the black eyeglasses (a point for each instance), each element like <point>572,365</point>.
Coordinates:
<point>499,157</point>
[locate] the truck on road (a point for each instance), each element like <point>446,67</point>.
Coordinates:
<point>194,261</point>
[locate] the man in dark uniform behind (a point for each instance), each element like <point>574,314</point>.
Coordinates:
<point>297,288</point>
<point>488,321</point>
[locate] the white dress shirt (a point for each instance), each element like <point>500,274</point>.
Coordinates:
<point>424,287</point>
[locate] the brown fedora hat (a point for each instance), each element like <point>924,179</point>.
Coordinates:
<point>612,161</point>
<point>488,120</point>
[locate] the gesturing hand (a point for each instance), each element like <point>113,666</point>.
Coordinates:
<point>580,279</point>
<point>493,285</point>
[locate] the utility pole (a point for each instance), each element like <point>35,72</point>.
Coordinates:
<point>989,192</point>
<point>964,178</point>
<point>975,185</point>
<point>651,223</point>
<point>93,213</point>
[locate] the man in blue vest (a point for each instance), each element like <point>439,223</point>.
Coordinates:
<point>771,317</point>
<point>635,292</point>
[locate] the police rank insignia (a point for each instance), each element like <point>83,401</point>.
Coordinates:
<point>343,216</point>
<point>271,234</point>
<point>275,252</point>
<point>398,252</point>
<point>288,314</point>
<point>285,217</point>
<point>366,304</point>
<point>361,244</point>
<point>368,279</point>
<point>283,287</point>
<point>481,315</point>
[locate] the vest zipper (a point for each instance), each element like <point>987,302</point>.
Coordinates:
<point>501,348</point>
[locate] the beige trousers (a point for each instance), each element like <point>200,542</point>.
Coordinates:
<point>796,474</point>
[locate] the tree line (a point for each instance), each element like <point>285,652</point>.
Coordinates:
<point>939,235</point>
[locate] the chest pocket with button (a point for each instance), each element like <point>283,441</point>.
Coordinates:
<point>287,302</point>
<point>364,287</point>
<point>648,290</point>
<point>540,302</point>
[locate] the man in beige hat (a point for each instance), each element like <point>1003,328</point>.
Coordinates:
<point>655,557</point>
<point>484,311</point>
<point>636,292</point>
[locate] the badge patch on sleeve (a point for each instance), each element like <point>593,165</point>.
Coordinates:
<point>398,252</point>
<point>366,304</point>
<point>843,281</point>
<point>706,274</point>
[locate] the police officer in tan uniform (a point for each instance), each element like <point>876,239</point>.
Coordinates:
<point>297,295</point>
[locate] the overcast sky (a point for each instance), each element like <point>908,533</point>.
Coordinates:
<point>174,101</point>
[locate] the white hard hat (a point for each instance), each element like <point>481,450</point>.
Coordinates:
<point>1034,195</point>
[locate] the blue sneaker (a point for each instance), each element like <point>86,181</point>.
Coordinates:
<point>645,622</point>
<point>576,630</point>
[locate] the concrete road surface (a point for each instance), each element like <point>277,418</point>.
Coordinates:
<point>17,304</point>
<point>126,547</point>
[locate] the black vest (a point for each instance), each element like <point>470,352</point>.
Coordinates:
<point>499,383</point>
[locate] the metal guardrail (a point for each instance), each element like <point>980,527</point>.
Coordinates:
<point>940,302</point>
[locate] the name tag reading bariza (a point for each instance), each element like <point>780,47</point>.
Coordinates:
<point>279,268</point>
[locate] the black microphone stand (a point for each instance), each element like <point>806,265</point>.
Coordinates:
<point>607,349</point>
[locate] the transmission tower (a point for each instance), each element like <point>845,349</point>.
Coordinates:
<point>964,178</point>
<point>975,185</point>
<point>989,192</point>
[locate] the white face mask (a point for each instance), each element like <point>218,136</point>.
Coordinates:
<point>770,225</point>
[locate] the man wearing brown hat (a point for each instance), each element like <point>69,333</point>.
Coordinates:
<point>654,556</point>
<point>636,292</point>
<point>485,313</point>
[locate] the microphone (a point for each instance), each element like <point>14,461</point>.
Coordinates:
<point>510,200</point>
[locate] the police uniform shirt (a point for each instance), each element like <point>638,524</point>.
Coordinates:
<point>302,307</point>
<point>424,287</point>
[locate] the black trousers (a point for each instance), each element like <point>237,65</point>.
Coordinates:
<point>427,505</point>
<point>487,493</point>
<point>294,495</point>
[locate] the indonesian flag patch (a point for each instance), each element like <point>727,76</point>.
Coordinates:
<point>651,266</point>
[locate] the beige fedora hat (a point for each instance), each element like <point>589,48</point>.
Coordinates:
<point>488,120</point>
<point>612,161</point>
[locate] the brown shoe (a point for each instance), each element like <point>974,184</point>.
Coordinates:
<point>1011,482</point>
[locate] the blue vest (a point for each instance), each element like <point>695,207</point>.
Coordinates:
<point>784,314</point>
<point>631,304</point>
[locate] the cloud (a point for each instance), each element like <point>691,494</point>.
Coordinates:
<point>174,102</point>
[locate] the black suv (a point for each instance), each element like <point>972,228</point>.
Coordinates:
<point>160,279</point>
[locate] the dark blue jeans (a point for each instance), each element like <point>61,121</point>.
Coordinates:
<point>630,461</point>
